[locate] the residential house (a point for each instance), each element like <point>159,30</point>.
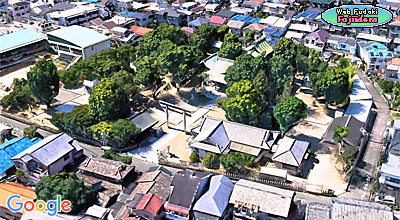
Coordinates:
<point>143,18</point>
<point>188,31</point>
<point>317,40</point>
<point>252,5</point>
<point>3,4</point>
<point>302,28</point>
<point>269,21</point>
<point>48,157</point>
<point>342,44</point>
<point>374,54</point>
<point>257,28</point>
<point>69,41</point>
<point>323,4</point>
<point>389,171</point>
<point>175,18</point>
<point>226,13</point>
<point>113,175</point>
<point>161,16</point>
<point>212,8</point>
<point>289,15</point>
<point>395,46</point>
<point>11,148</point>
<point>123,35</point>
<point>275,8</point>
<point>97,212</point>
<point>291,155</point>
<point>9,189</point>
<point>308,17</point>
<point>140,31</point>
<point>372,37</point>
<point>236,27</point>
<point>273,35</point>
<point>188,6</point>
<point>156,181</point>
<point>295,36</point>
<point>281,24</point>
<point>241,11</point>
<point>213,204</point>
<point>348,209</point>
<point>186,188</point>
<point>353,138</point>
<point>217,21</point>
<point>252,200</point>
<point>5,132</point>
<point>144,206</point>
<point>392,70</point>
<point>220,137</point>
<point>75,16</point>
<point>20,46</point>
<point>196,23</point>
<point>394,29</point>
<point>19,10</point>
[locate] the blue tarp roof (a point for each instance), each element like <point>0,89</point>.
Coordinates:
<point>308,14</point>
<point>11,148</point>
<point>163,6</point>
<point>398,49</point>
<point>247,19</point>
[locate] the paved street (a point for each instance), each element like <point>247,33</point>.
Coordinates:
<point>367,166</point>
<point>21,125</point>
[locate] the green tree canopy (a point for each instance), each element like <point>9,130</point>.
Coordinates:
<point>118,133</point>
<point>261,85</point>
<point>21,96</point>
<point>30,132</point>
<point>245,67</point>
<point>339,133</point>
<point>204,37</point>
<point>249,36</point>
<point>344,62</point>
<point>236,162</point>
<point>231,48</point>
<point>280,72</point>
<point>333,84</point>
<point>244,105</point>
<point>127,81</point>
<point>194,157</point>
<point>224,29</point>
<point>76,121</point>
<point>286,49</point>
<point>69,77</point>
<point>68,187</point>
<point>108,101</point>
<point>211,161</point>
<point>289,111</point>
<point>44,82</point>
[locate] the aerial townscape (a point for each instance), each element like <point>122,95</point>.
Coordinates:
<point>197,109</point>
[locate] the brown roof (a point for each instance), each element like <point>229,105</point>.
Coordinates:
<point>107,168</point>
<point>98,21</point>
<point>394,61</point>
<point>156,182</point>
<point>256,27</point>
<point>91,180</point>
<point>109,24</point>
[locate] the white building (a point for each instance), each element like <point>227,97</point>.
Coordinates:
<point>19,10</point>
<point>77,15</point>
<point>374,54</point>
<point>76,40</point>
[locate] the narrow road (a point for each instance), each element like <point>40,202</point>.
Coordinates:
<point>20,125</point>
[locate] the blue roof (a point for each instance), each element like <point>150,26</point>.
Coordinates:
<point>247,19</point>
<point>12,147</point>
<point>19,39</point>
<point>398,49</point>
<point>308,14</point>
<point>80,36</point>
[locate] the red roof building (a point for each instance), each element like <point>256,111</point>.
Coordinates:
<point>143,206</point>
<point>141,31</point>
<point>259,1</point>
<point>217,20</point>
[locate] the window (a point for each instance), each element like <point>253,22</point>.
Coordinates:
<point>66,157</point>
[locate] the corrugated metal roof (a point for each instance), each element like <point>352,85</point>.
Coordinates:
<point>19,39</point>
<point>80,36</point>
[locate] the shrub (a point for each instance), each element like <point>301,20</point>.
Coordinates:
<point>386,86</point>
<point>69,77</point>
<point>194,157</point>
<point>112,155</point>
<point>30,132</point>
<point>211,160</point>
<point>235,162</point>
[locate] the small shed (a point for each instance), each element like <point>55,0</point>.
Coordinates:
<point>273,174</point>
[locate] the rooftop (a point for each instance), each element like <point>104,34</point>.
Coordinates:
<point>353,137</point>
<point>108,168</point>
<point>80,36</point>
<point>359,91</point>
<point>19,39</point>
<point>392,165</point>
<point>373,37</point>
<point>291,151</point>
<point>217,20</point>
<point>360,109</point>
<point>346,209</point>
<point>342,40</point>
<point>375,49</point>
<point>11,188</point>
<point>321,35</point>
<point>269,199</point>
<point>317,211</point>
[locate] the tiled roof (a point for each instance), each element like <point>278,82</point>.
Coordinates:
<point>141,31</point>
<point>291,151</point>
<point>150,203</point>
<point>107,168</point>
<point>322,35</point>
<point>9,189</point>
<point>217,20</point>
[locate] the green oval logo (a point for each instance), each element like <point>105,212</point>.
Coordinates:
<point>357,16</point>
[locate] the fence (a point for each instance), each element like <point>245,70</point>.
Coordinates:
<point>289,186</point>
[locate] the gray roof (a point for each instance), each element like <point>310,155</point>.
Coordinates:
<point>62,6</point>
<point>216,135</point>
<point>226,13</point>
<point>395,144</point>
<point>251,4</point>
<point>174,14</point>
<point>215,200</point>
<point>198,22</point>
<point>50,149</point>
<point>184,188</point>
<point>343,40</point>
<point>108,168</point>
<point>318,211</point>
<point>236,24</point>
<point>155,182</point>
<point>267,199</point>
<point>354,136</point>
<point>291,151</point>
<point>143,120</point>
<point>349,209</point>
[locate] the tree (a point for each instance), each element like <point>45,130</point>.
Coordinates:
<point>224,29</point>
<point>249,36</point>
<point>245,67</point>
<point>244,105</point>
<point>76,121</point>
<point>108,101</point>
<point>30,132</point>
<point>183,62</point>
<point>333,84</point>
<point>231,47</point>
<point>339,133</point>
<point>147,72</point>
<point>112,155</point>
<point>105,63</point>
<point>127,54</point>
<point>346,158</point>
<point>118,133</point>
<point>21,96</point>
<point>235,162</point>
<point>260,14</point>
<point>194,157</point>
<point>44,82</point>
<point>69,77</point>
<point>69,188</point>
<point>261,85</point>
<point>211,161</point>
<point>344,62</point>
<point>289,111</point>
<point>280,72</point>
<point>386,85</point>
<point>204,37</point>
<point>127,81</point>
<point>286,49</point>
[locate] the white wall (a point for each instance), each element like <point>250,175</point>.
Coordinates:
<point>92,50</point>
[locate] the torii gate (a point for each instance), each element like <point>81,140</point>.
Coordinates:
<point>172,106</point>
